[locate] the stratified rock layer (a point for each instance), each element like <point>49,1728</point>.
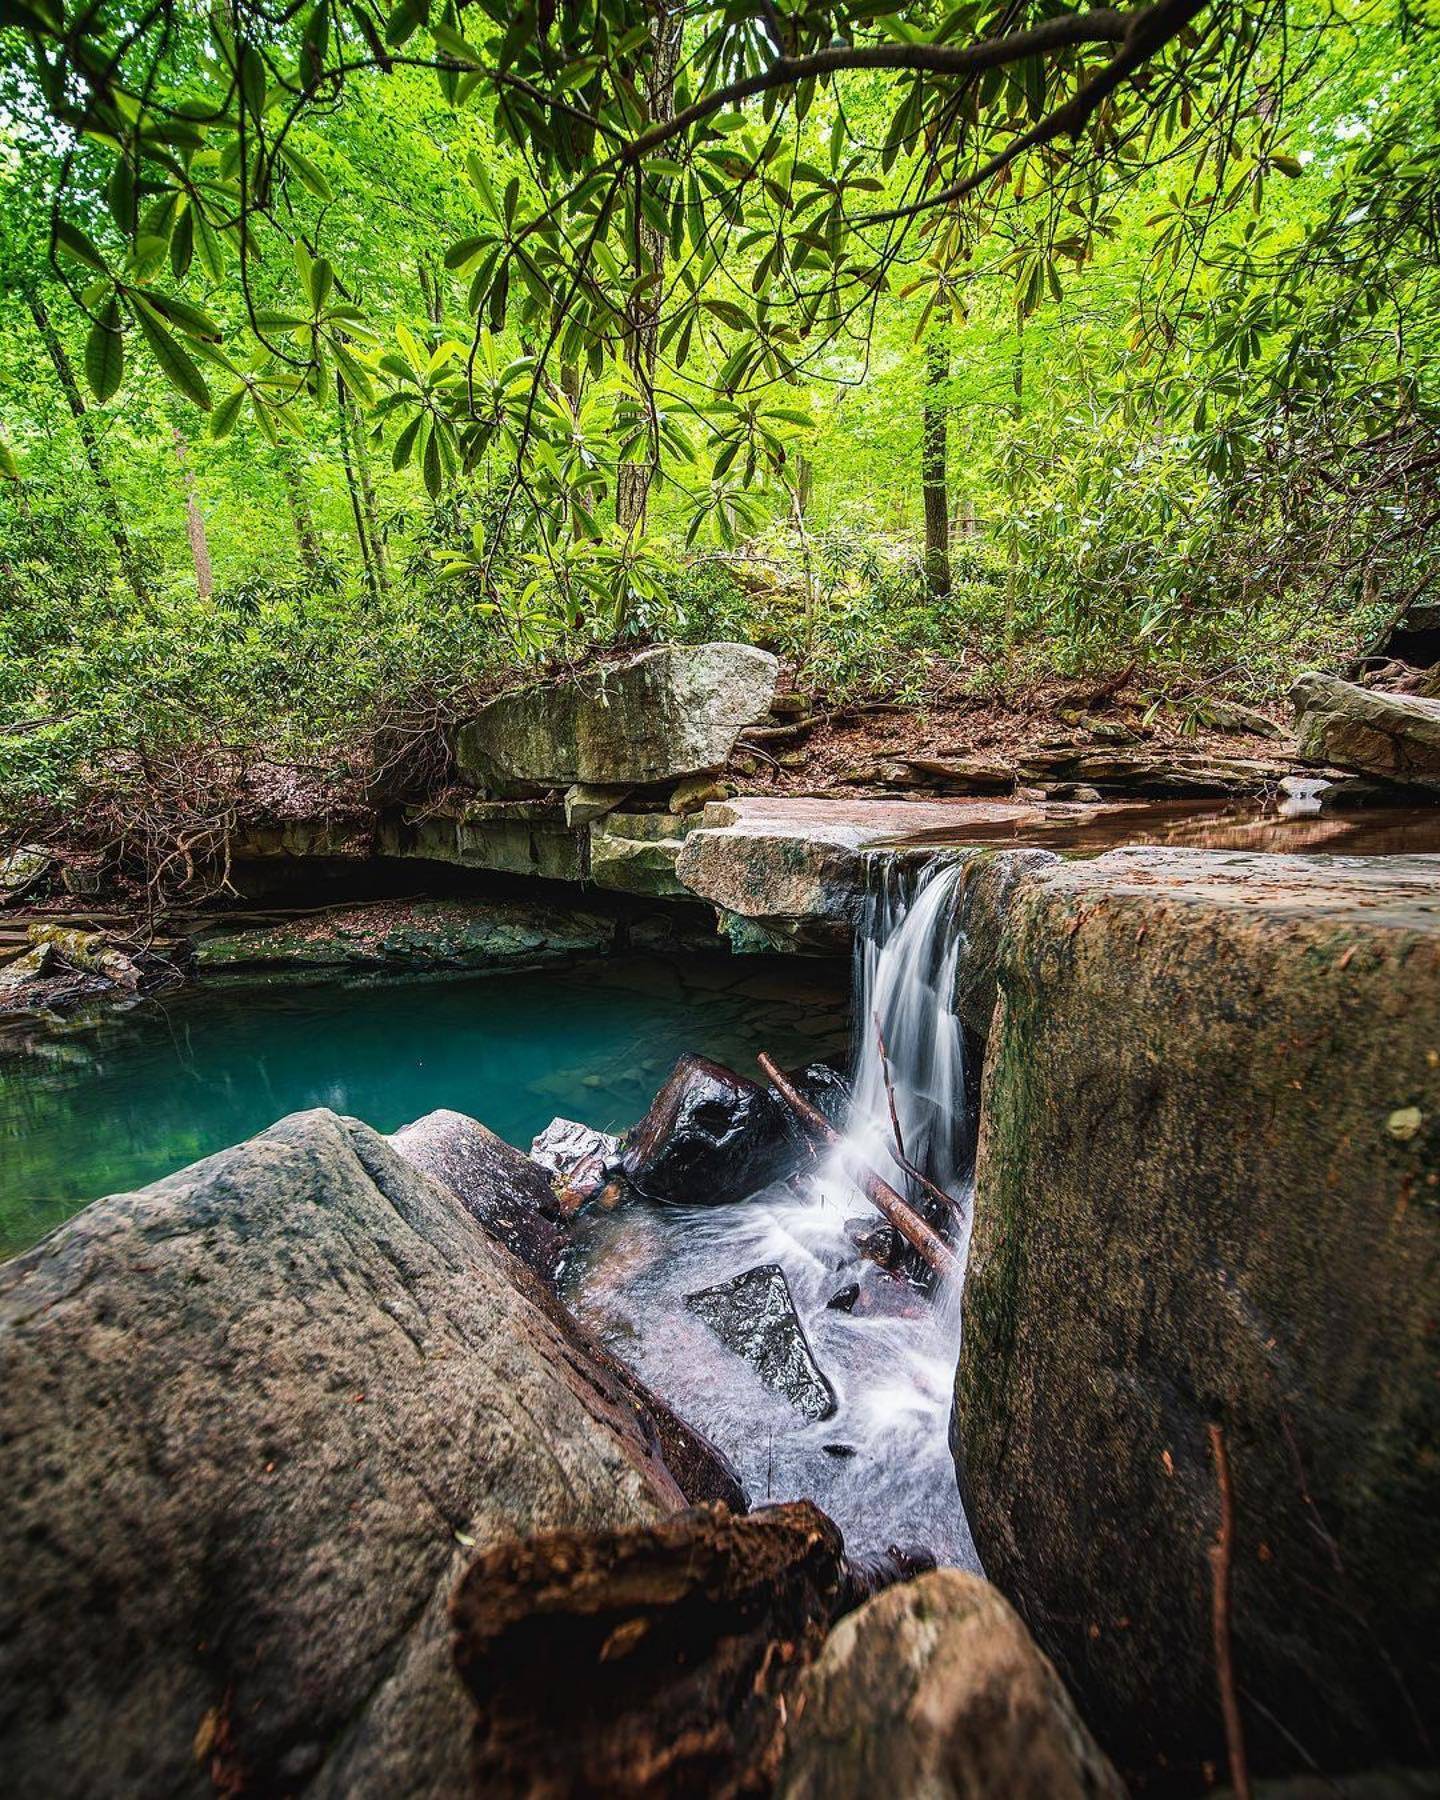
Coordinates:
<point>1209,1191</point>
<point>660,714</point>
<point>1395,735</point>
<point>934,1687</point>
<point>256,1419</point>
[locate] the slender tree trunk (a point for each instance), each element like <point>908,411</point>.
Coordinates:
<point>311,560</point>
<point>367,497</point>
<point>357,503</point>
<point>933,447</point>
<point>194,520</point>
<point>633,479</point>
<point>89,438</point>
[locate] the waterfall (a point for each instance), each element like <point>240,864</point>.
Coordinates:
<point>881,1464</point>
<point>909,1043</point>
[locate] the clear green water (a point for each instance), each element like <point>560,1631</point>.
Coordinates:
<point>108,1104</point>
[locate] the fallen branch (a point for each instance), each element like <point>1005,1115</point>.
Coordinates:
<point>926,1244</point>
<point>1220,1555</point>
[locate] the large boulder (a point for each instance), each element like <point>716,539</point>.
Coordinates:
<point>1206,1195</point>
<point>1394,735</point>
<point>257,1418</point>
<point>935,1687</point>
<point>655,716</point>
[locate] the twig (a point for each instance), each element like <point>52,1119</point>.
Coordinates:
<point>1220,1554</point>
<point>926,1243</point>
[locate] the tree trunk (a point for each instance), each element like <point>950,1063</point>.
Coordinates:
<point>312,562</point>
<point>633,479</point>
<point>367,497</point>
<point>194,520</point>
<point>60,361</point>
<point>357,502</point>
<point>932,464</point>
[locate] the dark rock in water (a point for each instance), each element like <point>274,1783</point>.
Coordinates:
<point>712,1136</point>
<point>499,1185</point>
<point>258,1418</point>
<point>935,1687</point>
<point>877,1242</point>
<point>840,1451</point>
<point>845,1300</point>
<point>754,1316</point>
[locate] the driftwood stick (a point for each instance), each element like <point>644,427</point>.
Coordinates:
<point>1221,1552</point>
<point>913,1170</point>
<point>927,1244</point>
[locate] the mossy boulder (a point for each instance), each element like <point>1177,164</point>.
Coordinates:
<point>1208,1193</point>
<point>662,713</point>
<point>1394,735</point>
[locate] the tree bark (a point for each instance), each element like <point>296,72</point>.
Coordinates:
<point>684,1636</point>
<point>933,448</point>
<point>89,438</point>
<point>312,561</point>
<point>367,497</point>
<point>357,501</point>
<point>633,479</point>
<point>194,520</point>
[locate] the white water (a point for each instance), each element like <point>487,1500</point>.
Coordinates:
<point>893,1481</point>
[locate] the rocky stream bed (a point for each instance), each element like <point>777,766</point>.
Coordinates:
<point>353,1464</point>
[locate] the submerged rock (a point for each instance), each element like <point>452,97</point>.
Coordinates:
<point>258,1417</point>
<point>1394,735</point>
<point>935,1687</point>
<point>660,714</point>
<point>502,1188</point>
<point>754,1316</point>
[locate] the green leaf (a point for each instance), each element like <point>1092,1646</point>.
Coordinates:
<point>70,237</point>
<point>222,420</point>
<point>176,363</point>
<point>431,465</point>
<point>105,353</point>
<point>309,174</point>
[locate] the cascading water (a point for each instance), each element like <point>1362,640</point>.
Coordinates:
<point>880,1465</point>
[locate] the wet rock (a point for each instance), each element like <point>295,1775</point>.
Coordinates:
<point>578,1159</point>
<point>660,714</point>
<point>754,1316</point>
<point>258,1417</point>
<point>935,1687</point>
<point>89,952</point>
<point>503,1189</point>
<point>1192,1207</point>
<point>712,1136</point>
<point>1394,735</point>
<point>844,1299</point>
